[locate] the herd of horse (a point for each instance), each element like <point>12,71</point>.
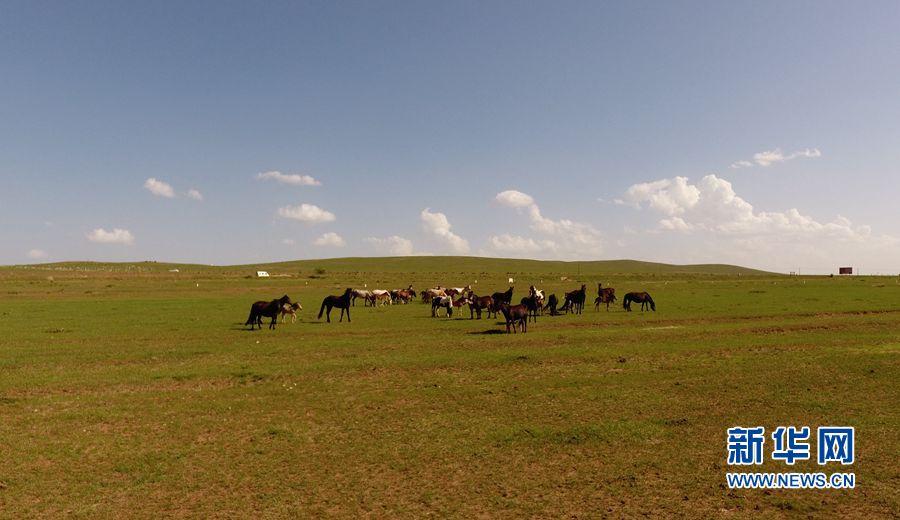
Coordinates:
<point>450,298</point>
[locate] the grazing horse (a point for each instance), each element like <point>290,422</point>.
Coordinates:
<point>262,309</point>
<point>552,302</point>
<point>290,308</point>
<point>403,295</point>
<point>575,300</point>
<point>360,293</point>
<point>480,303</point>
<point>638,297</point>
<point>454,291</point>
<point>607,296</point>
<point>342,302</point>
<point>515,315</point>
<point>445,302</point>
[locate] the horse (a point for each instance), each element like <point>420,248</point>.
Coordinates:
<point>430,294</point>
<point>380,296</point>
<point>262,309</point>
<point>360,293</point>
<point>342,302</point>
<point>502,297</point>
<point>403,295</point>
<point>442,301</point>
<point>458,304</point>
<point>479,303</point>
<point>575,300</point>
<point>638,297</point>
<point>515,315</point>
<point>291,309</point>
<point>607,296</point>
<point>539,296</point>
<point>454,291</point>
<point>552,302</point>
<point>533,305</point>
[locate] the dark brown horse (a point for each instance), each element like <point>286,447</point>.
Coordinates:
<point>552,303</point>
<point>480,303</point>
<point>515,315</point>
<point>342,302</point>
<point>604,295</point>
<point>638,297</point>
<point>575,300</point>
<point>262,309</point>
<point>501,297</point>
<point>532,303</point>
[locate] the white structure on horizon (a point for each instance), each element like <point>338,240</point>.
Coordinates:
<point>262,274</point>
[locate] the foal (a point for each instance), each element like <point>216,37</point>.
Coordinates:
<point>292,310</point>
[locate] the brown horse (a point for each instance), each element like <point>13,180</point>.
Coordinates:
<point>533,304</point>
<point>480,303</point>
<point>515,315</point>
<point>262,309</point>
<point>575,300</point>
<point>607,296</point>
<point>638,297</point>
<point>342,302</point>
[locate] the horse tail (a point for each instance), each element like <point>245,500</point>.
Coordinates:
<point>626,300</point>
<point>252,315</point>
<point>322,309</point>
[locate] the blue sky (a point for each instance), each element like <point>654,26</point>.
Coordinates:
<point>764,134</point>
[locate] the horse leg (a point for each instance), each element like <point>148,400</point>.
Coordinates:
<point>342,315</point>
<point>328,314</point>
<point>348,314</point>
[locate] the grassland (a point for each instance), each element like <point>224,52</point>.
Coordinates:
<point>129,390</point>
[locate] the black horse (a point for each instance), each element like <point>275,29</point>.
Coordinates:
<point>262,309</point>
<point>533,305</point>
<point>575,300</point>
<point>638,297</point>
<point>552,303</point>
<point>501,297</point>
<point>342,302</point>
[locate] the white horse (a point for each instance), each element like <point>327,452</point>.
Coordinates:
<point>360,293</point>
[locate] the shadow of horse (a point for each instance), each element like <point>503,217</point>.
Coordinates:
<point>489,331</point>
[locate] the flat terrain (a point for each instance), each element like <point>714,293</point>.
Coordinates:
<point>129,390</point>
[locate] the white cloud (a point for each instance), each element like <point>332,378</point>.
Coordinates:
<point>330,239</point>
<point>770,157</point>
<point>159,188</point>
<point>393,245</point>
<point>194,194</point>
<point>288,241</point>
<point>116,236</point>
<point>514,199</point>
<point>294,179</point>
<point>712,205</point>
<point>438,225</point>
<point>308,213</point>
<point>566,238</point>
<point>518,245</point>
<point>37,254</point>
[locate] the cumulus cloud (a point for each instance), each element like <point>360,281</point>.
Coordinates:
<point>712,205</point>
<point>194,194</point>
<point>116,236</point>
<point>516,245</point>
<point>393,245</point>
<point>514,199</point>
<point>770,157</point>
<point>294,179</point>
<point>437,225</point>
<point>330,239</point>
<point>309,213</point>
<point>37,254</point>
<point>159,188</point>
<point>565,238</point>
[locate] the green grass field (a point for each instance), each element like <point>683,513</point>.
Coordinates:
<point>128,390</point>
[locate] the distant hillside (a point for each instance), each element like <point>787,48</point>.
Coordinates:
<point>420,264</point>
